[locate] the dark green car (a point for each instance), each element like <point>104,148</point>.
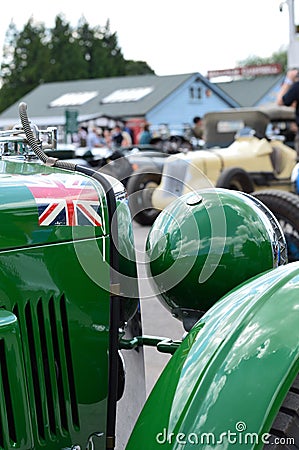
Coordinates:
<point>71,344</point>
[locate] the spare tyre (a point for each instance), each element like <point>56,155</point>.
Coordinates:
<point>285,207</point>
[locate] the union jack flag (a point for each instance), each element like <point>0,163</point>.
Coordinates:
<point>70,200</point>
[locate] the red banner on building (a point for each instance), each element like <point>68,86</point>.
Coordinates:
<point>247,71</point>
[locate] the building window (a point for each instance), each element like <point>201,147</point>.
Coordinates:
<point>195,93</point>
<point>127,95</point>
<point>73,99</point>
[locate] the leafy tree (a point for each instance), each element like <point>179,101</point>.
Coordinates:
<point>86,37</point>
<point>279,57</point>
<point>25,58</point>
<point>8,49</point>
<point>36,55</point>
<point>95,50</point>
<point>66,62</point>
<point>137,68</point>
<point>107,52</point>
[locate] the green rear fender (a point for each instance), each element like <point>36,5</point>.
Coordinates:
<point>226,382</point>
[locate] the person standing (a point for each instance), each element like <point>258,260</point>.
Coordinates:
<point>289,96</point>
<point>145,136</point>
<point>95,139</point>
<point>197,127</point>
<point>117,136</point>
<point>82,136</point>
<point>107,137</point>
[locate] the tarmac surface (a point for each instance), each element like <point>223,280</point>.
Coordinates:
<point>157,321</point>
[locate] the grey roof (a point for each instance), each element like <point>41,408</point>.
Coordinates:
<point>248,92</point>
<point>237,93</point>
<point>40,98</point>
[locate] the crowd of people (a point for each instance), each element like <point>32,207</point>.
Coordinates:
<point>123,136</point>
<point>98,137</point>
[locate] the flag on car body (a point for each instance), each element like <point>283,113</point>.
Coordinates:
<point>69,200</point>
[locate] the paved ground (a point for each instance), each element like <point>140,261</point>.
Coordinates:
<point>156,319</point>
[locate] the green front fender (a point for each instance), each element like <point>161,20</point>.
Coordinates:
<point>225,384</point>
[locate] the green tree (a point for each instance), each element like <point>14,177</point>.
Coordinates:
<point>113,59</point>
<point>101,51</point>
<point>8,50</point>
<point>36,55</point>
<point>104,56</point>
<point>279,57</point>
<point>85,39</point>
<point>24,61</point>
<point>66,62</point>
<point>137,68</point>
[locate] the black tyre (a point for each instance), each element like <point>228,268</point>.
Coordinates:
<point>140,189</point>
<point>285,207</point>
<point>236,179</point>
<point>119,168</point>
<point>285,428</point>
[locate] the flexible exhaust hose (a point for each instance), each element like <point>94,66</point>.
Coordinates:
<point>32,141</point>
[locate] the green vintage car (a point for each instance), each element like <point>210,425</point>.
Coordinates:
<point>71,341</point>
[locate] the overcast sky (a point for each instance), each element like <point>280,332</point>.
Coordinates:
<point>172,37</point>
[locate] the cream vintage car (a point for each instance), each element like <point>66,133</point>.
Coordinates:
<point>256,155</point>
<point>249,150</point>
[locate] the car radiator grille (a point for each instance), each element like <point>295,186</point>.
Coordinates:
<point>49,374</point>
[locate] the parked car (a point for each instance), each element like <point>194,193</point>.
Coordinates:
<point>71,341</point>
<point>246,149</point>
<point>253,161</point>
<point>267,121</point>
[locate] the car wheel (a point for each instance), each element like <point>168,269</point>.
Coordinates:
<point>285,207</point>
<point>119,168</point>
<point>284,433</point>
<point>236,179</point>
<point>140,188</point>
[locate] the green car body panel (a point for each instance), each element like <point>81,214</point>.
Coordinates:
<point>55,306</point>
<point>224,385</point>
